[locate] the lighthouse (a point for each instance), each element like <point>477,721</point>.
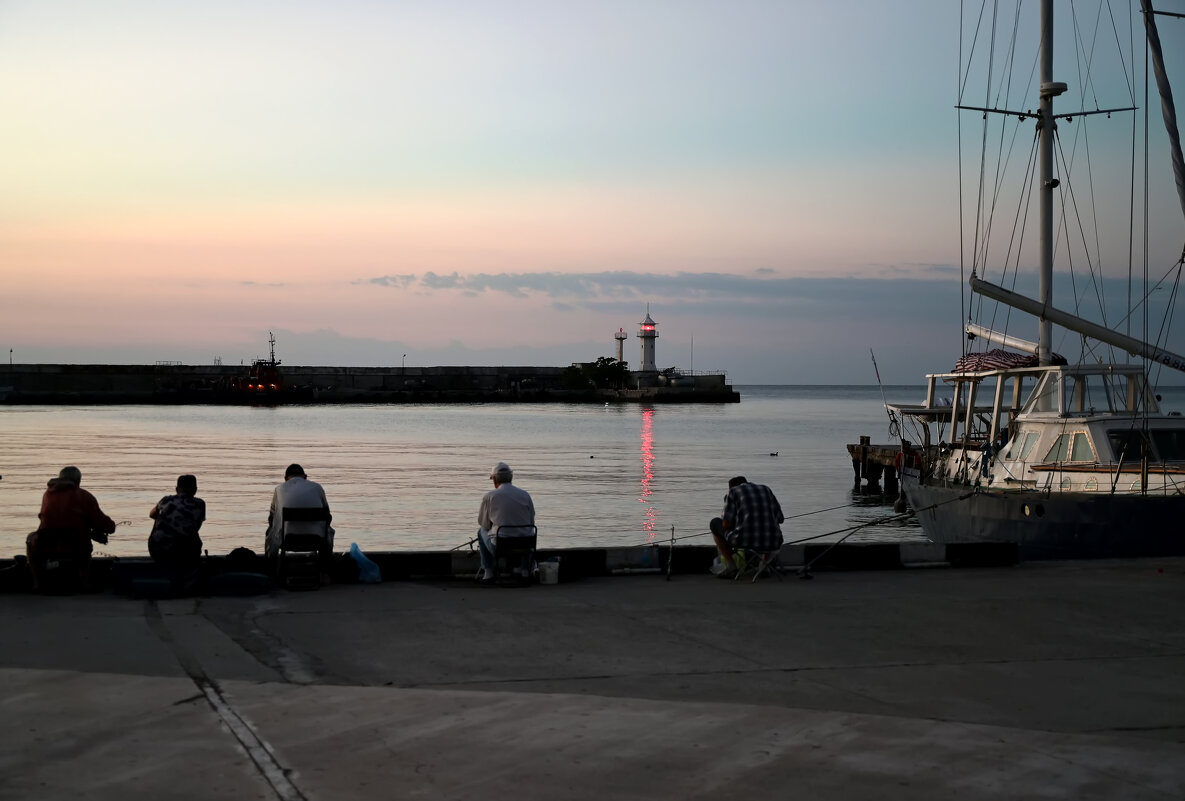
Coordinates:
<point>621,337</point>
<point>647,332</point>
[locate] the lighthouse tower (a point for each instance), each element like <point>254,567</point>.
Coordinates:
<point>648,333</point>
<point>621,337</point>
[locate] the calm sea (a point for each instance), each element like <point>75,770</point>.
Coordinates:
<point>410,477</point>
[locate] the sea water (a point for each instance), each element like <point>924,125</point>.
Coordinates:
<point>410,477</point>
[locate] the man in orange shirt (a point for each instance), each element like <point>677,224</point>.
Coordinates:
<point>70,519</point>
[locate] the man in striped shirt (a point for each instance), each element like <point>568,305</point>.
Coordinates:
<point>750,519</point>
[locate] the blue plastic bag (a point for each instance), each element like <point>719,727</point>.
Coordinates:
<point>368,571</point>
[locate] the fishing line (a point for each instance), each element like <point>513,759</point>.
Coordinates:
<point>707,533</point>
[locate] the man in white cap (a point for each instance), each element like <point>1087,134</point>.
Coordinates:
<point>504,506</point>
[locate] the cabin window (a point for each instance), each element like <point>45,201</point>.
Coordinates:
<point>1075,388</point>
<point>1170,444</point>
<point>1125,445</point>
<point>1092,485</point>
<point>1061,447</point>
<point>1095,392</point>
<point>1066,484</point>
<point>1045,396</point>
<point>1022,446</point>
<point>1073,447</point>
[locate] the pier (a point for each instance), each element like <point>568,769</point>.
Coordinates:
<point>1052,680</point>
<point>873,463</point>
<point>172,383</point>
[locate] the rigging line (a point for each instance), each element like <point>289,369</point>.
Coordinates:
<point>1160,283</point>
<point>1131,203</point>
<point>1095,280</point>
<point>1129,80</point>
<point>985,214</point>
<point>963,300</point>
<point>1003,159</point>
<point>1001,169</point>
<point>1081,52</point>
<point>1167,320</point>
<point>1067,165</point>
<point>986,211</point>
<point>960,89</point>
<point>1145,232</point>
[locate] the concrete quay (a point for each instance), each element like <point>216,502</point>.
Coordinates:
<point>1044,680</point>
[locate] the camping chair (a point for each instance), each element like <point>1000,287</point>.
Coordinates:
<point>302,554</point>
<point>759,563</point>
<point>60,562</point>
<point>515,545</point>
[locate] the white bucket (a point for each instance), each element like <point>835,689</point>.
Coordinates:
<point>549,572</point>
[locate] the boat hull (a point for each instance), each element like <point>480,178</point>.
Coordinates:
<point>1067,525</point>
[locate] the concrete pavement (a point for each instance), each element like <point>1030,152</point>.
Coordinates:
<point>1044,680</point>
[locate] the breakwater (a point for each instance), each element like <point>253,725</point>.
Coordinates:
<point>172,383</point>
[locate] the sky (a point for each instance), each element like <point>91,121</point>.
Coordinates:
<point>489,183</point>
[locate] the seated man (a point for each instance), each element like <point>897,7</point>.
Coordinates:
<point>70,519</point>
<point>504,506</point>
<point>174,542</point>
<point>750,519</point>
<point>297,492</point>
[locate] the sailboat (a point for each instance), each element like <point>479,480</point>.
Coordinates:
<point>1056,457</point>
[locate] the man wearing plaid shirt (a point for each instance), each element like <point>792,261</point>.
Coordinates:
<point>750,520</point>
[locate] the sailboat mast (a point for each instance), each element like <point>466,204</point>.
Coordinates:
<point>1049,90</point>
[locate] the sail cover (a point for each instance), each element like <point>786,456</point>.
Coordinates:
<point>999,359</point>
<point>1167,107</point>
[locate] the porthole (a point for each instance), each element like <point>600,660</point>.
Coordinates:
<point>1034,510</point>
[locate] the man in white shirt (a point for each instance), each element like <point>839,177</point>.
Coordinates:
<point>504,506</point>
<point>297,492</point>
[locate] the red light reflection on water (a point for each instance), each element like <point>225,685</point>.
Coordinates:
<point>650,515</point>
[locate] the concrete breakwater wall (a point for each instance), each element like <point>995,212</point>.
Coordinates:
<point>104,383</point>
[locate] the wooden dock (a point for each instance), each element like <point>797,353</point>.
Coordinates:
<point>873,463</point>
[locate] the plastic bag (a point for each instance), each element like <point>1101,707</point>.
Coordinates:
<point>368,571</point>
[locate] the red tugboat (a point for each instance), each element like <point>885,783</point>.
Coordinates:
<point>264,376</point>
<point>264,384</point>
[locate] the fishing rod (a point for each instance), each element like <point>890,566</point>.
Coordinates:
<point>708,533</point>
<point>804,572</point>
<point>900,505</point>
<point>894,425</point>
